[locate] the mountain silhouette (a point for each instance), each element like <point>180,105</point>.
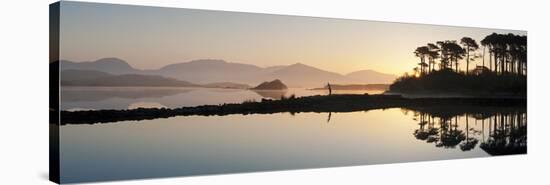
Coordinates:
<point>205,71</point>
<point>97,78</point>
<point>210,71</point>
<point>82,75</point>
<point>109,65</point>
<point>301,75</point>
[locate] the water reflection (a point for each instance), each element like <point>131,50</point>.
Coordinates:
<point>199,145</point>
<point>76,94</point>
<point>272,94</point>
<point>497,133</point>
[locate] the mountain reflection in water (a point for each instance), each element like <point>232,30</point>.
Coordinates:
<point>97,98</point>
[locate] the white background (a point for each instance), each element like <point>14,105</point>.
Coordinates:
<point>24,90</point>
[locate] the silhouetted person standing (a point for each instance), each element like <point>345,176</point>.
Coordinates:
<point>329,89</point>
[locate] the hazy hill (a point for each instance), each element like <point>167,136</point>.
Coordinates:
<point>82,75</point>
<point>271,69</point>
<point>300,75</point>
<point>97,78</point>
<point>371,77</point>
<point>207,71</point>
<point>109,65</point>
<point>139,80</point>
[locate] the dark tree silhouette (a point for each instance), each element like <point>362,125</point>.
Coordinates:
<point>444,54</point>
<point>505,75</point>
<point>508,52</point>
<point>490,42</point>
<point>450,52</point>
<point>470,45</point>
<point>457,53</point>
<point>432,55</point>
<point>422,52</point>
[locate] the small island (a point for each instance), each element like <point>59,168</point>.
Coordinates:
<point>273,85</point>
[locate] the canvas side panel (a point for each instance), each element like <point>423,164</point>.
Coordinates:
<point>54,93</point>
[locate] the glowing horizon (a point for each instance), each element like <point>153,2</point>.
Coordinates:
<point>151,37</point>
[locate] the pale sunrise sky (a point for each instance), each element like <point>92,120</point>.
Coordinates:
<point>151,37</point>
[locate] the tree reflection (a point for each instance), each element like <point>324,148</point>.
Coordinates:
<point>470,142</point>
<point>505,133</point>
<point>508,135</point>
<point>427,131</point>
<point>449,134</point>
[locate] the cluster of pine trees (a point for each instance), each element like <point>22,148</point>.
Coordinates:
<point>507,54</point>
<point>503,67</point>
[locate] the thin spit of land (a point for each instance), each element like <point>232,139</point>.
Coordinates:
<point>318,103</point>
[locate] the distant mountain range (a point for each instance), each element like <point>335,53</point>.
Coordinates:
<point>74,77</point>
<point>108,65</point>
<point>208,71</point>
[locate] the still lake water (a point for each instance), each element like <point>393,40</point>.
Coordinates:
<point>95,98</point>
<point>200,145</point>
